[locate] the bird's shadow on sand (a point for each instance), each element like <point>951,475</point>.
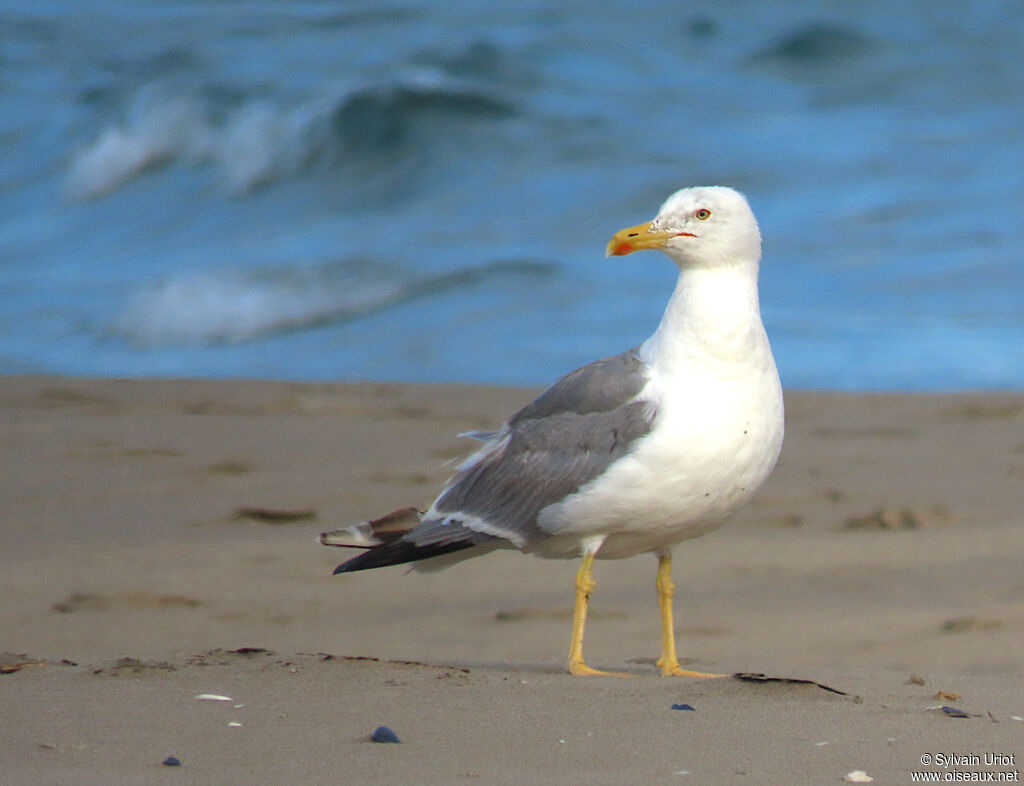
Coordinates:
<point>642,669</point>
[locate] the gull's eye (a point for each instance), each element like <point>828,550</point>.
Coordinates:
<point>703,214</point>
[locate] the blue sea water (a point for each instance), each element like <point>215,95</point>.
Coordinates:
<point>423,191</point>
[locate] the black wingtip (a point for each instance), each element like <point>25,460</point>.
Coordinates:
<point>398,552</point>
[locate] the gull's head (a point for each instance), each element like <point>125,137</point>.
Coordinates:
<point>708,226</point>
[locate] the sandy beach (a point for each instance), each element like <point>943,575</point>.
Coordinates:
<point>158,542</point>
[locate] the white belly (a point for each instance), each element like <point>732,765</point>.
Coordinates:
<point>713,443</point>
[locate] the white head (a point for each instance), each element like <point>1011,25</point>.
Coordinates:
<point>707,226</point>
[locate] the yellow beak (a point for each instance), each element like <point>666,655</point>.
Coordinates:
<point>638,238</point>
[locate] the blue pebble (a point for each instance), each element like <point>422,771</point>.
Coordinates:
<point>384,734</point>
<point>172,761</point>
<point>683,707</point>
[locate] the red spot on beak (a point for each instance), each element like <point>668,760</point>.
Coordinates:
<point>685,234</point>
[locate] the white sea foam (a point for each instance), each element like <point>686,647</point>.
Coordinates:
<point>159,129</point>
<point>250,143</point>
<point>263,142</point>
<point>233,306</point>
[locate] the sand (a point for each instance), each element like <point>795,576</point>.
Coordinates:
<point>883,559</point>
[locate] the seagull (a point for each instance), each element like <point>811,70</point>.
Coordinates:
<point>632,453</point>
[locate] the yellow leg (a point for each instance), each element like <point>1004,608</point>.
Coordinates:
<point>584,586</point>
<point>666,589</point>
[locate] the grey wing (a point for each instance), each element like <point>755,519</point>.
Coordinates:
<point>601,386</point>
<point>559,442</point>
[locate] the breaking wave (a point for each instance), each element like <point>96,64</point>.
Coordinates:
<point>233,306</point>
<point>260,140</point>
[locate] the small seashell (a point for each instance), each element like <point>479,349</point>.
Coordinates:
<point>683,707</point>
<point>857,776</point>
<point>213,697</point>
<point>172,761</point>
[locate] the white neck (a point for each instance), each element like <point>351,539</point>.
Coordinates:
<point>712,319</point>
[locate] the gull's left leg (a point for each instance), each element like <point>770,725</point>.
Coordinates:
<point>666,589</point>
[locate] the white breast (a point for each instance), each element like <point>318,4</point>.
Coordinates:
<point>713,444</point>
